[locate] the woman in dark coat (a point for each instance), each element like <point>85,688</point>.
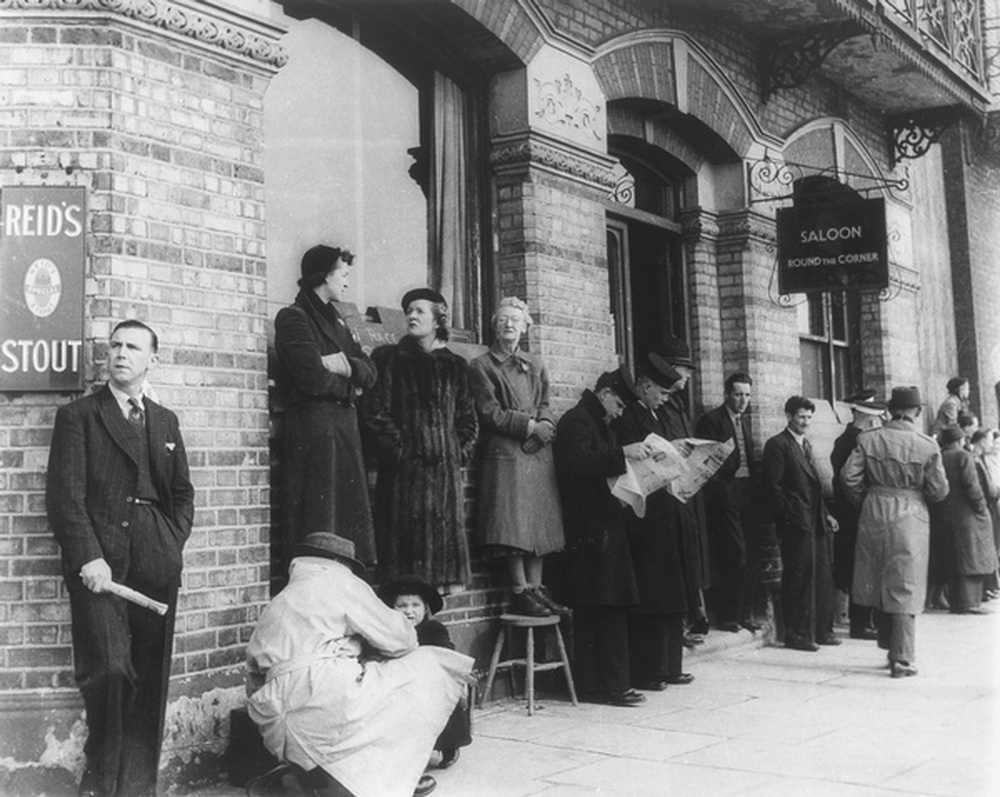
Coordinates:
<point>600,581</point>
<point>322,372</point>
<point>662,569</point>
<point>967,526</point>
<point>422,419</point>
<point>519,518</point>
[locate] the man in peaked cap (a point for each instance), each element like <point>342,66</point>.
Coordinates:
<point>867,413</point>
<point>890,566</point>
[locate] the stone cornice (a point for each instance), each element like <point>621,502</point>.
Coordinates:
<point>208,25</point>
<point>512,153</point>
<point>741,226</point>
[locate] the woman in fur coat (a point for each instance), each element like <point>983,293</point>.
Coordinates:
<point>421,416</point>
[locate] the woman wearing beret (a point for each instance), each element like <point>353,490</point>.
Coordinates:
<point>422,419</point>
<point>322,371</point>
<point>519,517</point>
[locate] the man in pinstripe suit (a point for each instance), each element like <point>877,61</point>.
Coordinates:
<point>121,505</point>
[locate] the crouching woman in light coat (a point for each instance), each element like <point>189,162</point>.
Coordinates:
<point>338,684</point>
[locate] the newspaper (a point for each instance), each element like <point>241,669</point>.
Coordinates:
<point>680,467</point>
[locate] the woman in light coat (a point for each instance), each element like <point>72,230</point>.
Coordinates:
<point>520,519</point>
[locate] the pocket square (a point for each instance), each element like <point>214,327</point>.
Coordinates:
<point>171,446</point>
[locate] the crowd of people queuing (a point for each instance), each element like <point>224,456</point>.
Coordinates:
<point>344,678</point>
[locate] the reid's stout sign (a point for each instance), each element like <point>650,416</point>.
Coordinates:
<point>834,246</point>
<point>42,256</point>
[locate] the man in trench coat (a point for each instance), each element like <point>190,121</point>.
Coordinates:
<point>893,473</point>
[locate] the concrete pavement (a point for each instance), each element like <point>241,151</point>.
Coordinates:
<point>762,722</point>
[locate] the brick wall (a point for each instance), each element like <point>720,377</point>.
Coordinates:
<point>165,134</point>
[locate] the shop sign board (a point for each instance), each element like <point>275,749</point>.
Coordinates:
<point>42,266</point>
<point>833,247</point>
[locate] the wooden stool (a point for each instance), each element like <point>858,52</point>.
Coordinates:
<point>509,622</point>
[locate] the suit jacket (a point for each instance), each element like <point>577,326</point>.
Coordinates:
<point>794,491</point>
<point>93,475</point>
<point>718,425</point>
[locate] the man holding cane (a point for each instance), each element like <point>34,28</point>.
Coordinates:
<point>121,504</point>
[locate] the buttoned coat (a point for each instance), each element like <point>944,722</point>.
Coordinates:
<point>795,494</point>
<point>92,479</point>
<point>893,473</point>
<point>518,494</point>
<point>600,562</point>
<point>965,518</point>
<point>323,471</point>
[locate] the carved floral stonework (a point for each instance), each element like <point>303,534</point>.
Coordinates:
<point>529,152</point>
<point>174,18</point>
<point>561,103</point>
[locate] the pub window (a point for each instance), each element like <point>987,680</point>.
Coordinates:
<point>829,326</point>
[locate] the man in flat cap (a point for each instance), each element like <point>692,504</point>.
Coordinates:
<point>866,413</point>
<point>893,473</point>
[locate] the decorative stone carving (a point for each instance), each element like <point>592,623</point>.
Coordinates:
<point>531,151</point>
<point>173,17</point>
<point>560,102</point>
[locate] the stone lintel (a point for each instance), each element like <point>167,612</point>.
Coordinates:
<point>518,152</point>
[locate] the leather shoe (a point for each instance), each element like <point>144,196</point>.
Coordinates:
<point>680,678</point>
<point>690,640</point>
<point>901,669</point>
<point>449,757</point>
<point>863,633</point>
<point>626,697</point>
<point>801,644</point>
<point>970,610</point>
<point>544,597</point>
<point>751,625</point>
<point>828,640</point>
<point>699,625</point>
<point>527,604</point>
<point>654,685</point>
<point>425,785</point>
<point>729,625</point>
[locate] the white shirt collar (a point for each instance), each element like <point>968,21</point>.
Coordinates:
<point>122,398</point>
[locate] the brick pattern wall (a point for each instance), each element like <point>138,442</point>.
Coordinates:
<point>167,138</point>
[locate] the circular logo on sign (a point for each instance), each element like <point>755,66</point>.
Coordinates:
<point>42,287</point>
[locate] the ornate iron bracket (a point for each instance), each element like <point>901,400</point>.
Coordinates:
<point>766,177</point>
<point>910,136</point>
<point>788,62</point>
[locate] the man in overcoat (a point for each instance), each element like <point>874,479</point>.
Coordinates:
<point>727,507</point>
<point>601,581</point>
<point>662,571</point>
<point>866,413</point>
<point>121,504</point>
<point>804,529</point>
<point>893,473</point>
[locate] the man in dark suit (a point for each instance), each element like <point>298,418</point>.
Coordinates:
<point>121,505</point>
<point>727,507</point>
<point>600,579</point>
<point>804,530</point>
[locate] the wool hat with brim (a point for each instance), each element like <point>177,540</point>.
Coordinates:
<point>422,293</point>
<point>411,585</point>
<point>327,545</point>
<point>865,401</point>
<point>904,398</point>
<point>674,350</point>
<point>619,381</point>
<point>949,435</point>
<point>661,372</point>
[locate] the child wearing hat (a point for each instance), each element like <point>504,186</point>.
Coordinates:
<point>418,601</point>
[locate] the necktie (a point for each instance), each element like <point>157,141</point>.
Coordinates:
<point>808,448</point>
<point>741,447</point>
<point>136,417</point>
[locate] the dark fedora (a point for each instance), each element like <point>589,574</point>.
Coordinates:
<point>327,545</point>
<point>950,434</point>
<point>674,350</point>
<point>904,398</point>
<point>411,585</point>
<point>619,381</point>
<point>422,293</point>
<point>661,372</point>
<point>864,401</point>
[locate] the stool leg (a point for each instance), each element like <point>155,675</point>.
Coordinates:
<point>494,661</point>
<point>529,671</point>
<point>566,667</point>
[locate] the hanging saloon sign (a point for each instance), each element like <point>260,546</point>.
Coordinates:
<point>832,246</point>
<point>42,250</point>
